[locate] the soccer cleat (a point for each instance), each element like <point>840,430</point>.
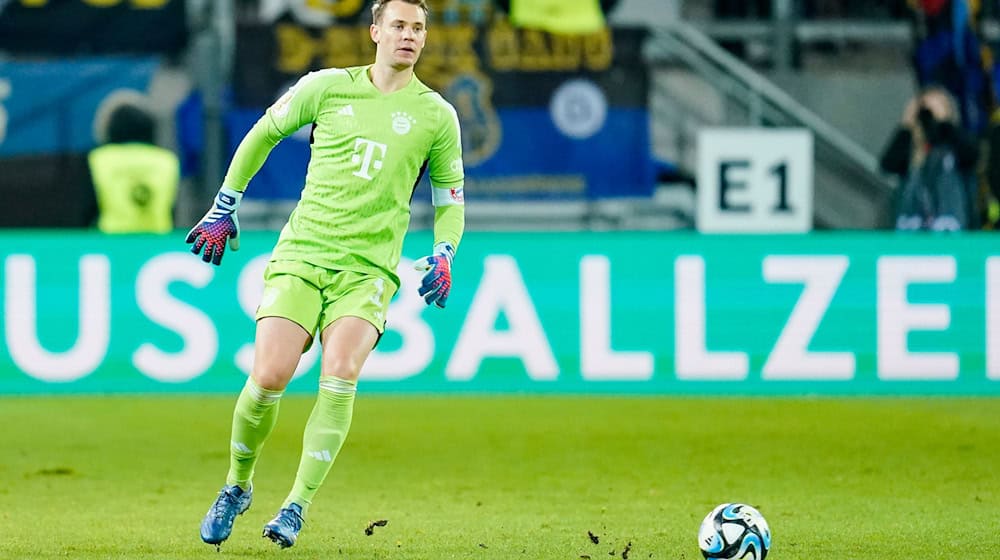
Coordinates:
<point>218,523</point>
<point>285,526</point>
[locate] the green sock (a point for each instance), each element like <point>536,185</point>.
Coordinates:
<point>253,419</point>
<point>325,433</point>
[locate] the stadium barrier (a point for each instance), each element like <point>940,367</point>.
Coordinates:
<point>638,312</point>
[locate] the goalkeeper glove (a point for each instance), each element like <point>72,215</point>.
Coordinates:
<point>218,225</point>
<point>436,284</point>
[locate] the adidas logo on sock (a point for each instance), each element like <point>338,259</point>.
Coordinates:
<point>322,455</point>
<point>241,447</point>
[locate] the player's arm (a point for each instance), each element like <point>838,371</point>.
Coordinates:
<point>297,107</point>
<point>447,177</point>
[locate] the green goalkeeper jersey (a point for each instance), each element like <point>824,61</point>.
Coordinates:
<point>368,151</point>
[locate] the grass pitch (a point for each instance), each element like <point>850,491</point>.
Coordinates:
<point>511,477</point>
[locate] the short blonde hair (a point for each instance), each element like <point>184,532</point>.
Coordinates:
<point>379,6</point>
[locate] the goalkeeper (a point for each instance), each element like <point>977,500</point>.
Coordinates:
<point>374,130</point>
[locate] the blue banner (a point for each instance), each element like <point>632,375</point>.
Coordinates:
<point>50,106</point>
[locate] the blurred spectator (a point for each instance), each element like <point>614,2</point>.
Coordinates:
<point>558,16</point>
<point>947,51</point>
<point>935,160</point>
<point>135,182</point>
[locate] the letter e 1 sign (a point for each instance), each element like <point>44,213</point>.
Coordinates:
<point>755,180</point>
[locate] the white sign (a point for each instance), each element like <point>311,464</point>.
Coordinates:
<point>755,180</point>
<point>578,109</point>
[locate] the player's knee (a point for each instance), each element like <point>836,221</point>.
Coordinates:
<point>272,378</point>
<point>344,367</point>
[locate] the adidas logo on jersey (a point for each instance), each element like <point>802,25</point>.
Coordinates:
<point>346,110</point>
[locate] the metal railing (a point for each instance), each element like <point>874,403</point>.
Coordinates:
<point>805,32</point>
<point>850,191</point>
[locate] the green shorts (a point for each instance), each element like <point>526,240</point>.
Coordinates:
<point>314,297</point>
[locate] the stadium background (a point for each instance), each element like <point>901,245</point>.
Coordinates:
<point>583,273</point>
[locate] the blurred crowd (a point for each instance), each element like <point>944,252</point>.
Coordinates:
<point>944,150</point>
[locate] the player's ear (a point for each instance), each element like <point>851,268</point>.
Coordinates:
<point>374,31</point>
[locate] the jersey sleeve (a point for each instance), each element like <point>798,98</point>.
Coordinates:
<point>300,104</point>
<point>447,173</point>
<point>251,154</point>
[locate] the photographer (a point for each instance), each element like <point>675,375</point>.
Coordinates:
<point>935,160</point>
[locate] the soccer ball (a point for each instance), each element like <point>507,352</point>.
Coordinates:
<point>734,532</point>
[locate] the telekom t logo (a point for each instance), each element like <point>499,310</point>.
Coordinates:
<point>364,153</point>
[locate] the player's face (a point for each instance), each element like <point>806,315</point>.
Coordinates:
<point>400,35</point>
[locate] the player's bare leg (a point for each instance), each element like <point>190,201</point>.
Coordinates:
<point>347,342</point>
<point>278,346</point>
